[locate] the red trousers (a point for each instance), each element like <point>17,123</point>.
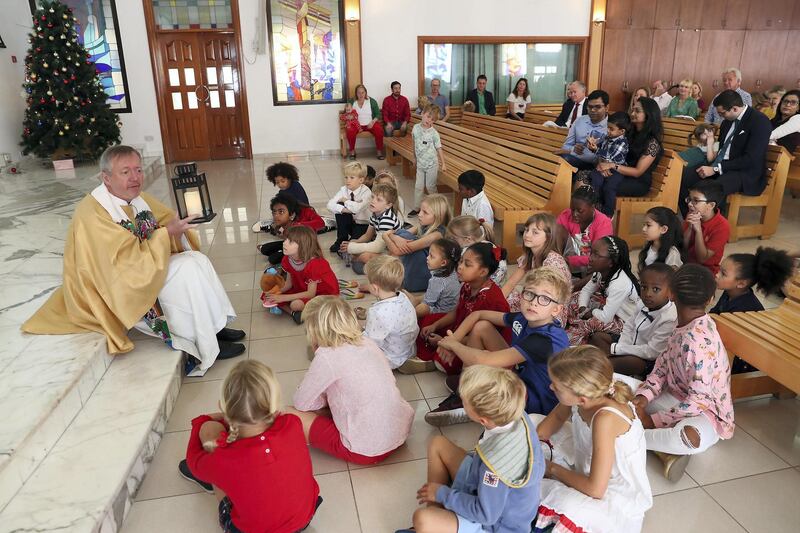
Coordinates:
<point>352,129</point>
<point>428,353</point>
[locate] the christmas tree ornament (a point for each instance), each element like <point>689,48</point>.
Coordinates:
<point>61,133</point>
<point>63,69</point>
<point>45,65</point>
<point>50,38</point>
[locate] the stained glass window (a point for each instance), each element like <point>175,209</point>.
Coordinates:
<point>193,14</point>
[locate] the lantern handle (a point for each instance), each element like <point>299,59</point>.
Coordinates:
<point>208,93</point>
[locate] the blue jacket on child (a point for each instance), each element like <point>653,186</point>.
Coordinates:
<point>498,483</point>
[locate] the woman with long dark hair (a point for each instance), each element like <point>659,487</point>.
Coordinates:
<point>518,100</point>
<point>644,152</point>
<point>786,124</point>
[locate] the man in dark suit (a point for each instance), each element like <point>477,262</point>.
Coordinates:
<point>574,106</point>
<point>483,99</point>
<point>740,165</point>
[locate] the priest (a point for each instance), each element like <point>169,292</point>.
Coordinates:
<point>130,262</point>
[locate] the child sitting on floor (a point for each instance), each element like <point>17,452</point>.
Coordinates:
<point>412,248</point>
<point>496,486</point>
<point>391,321</point>
<point>478,292</point>
<point>579,226</point>
<point>309,273</point>
<point>705,230</point>
<point>685,402</point>
<point>383,206</point>
<point>475,202</point>
<point>385,176</point>
<point>350,205</point>
<point>767,270</point>
<point>286,213</point>
<point>286,178</point>
<point>467,230</point>
<point>663,238</point>
<point>610,296</point>
<point>440,297</point>
<point>601,484</point>
<point>539,244</point>
<point>644,336</point>
<point>226,456</point>
<point>535,336</point>
<point>348,400</point>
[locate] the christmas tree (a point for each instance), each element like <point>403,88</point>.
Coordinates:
<point>67,114</point>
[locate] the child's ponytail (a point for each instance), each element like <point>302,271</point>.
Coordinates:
<point>767,270</point>
<point>619,391</point>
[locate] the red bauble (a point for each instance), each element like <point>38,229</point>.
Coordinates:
<point>52,98</point>
<point>72,77</point>
<point>66,82</point>
<point>44,18</point>
<point>41,101</point>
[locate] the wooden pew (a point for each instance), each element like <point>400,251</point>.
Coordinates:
<point>769,201</point>
<point>793,178</point>
<point>768,340</point>
<point>520,179</point>
<point>664,190</point>
<point>533,113</point>
<point>515,130</point>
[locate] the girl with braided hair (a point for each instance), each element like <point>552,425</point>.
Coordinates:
<point>253,457</point>
<point>610,296</point>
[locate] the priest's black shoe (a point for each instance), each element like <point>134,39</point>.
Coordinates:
<point>227,350</point>
<point>230,335</point>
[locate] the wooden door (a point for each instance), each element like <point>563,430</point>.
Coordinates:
<point>224,101</point>
<point>716,50</point>
<point>643,14</point>
<point>618,14</point>
<point>685,62</point>
<point>737,12</point>
<point>713,17</point>
<point>795,24</point>
<point>760,62</point>
<point>181,92</point>
<point>770,14</point>
<point>637,58</point>
<point>662,55</point>
<point>612,73</point>
<point>678,14</point>
<point>789,71</point>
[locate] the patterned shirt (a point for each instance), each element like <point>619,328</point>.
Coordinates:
<point>580,130</point>
<point>712,117</point>
<point>442,293</point>
<point>385,221</point>
<point>426,142</point>
<point>695,370</point>
<point>614,149</point>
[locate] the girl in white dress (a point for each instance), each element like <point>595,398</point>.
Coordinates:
<point>596,479</point>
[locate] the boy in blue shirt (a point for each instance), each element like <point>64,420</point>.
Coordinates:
<point>536,335</point>
<point>496,486</point>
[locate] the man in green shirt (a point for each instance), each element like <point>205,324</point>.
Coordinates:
<point>483,99</point>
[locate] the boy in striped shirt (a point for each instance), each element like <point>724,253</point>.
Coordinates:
<point>384,218</point>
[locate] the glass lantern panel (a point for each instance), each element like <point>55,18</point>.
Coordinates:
<point>227,74</point>
<point>177,101</point>
<point>188,74</point>
<point>174,77</point>
<point>211,75</point>
<point>214,95</point>
<point>230,100</point>
<point>192,14</point>
<point>191,99</point>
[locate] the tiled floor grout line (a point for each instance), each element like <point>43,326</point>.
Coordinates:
<point>355,500</point>
<point>725,510</point>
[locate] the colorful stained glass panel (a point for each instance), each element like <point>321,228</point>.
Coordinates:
<point>192,14</point>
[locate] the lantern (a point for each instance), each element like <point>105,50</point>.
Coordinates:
<point>191,194</point>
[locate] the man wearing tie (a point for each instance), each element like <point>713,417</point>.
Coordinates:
<point>740,165</point>
<point>575,106</point>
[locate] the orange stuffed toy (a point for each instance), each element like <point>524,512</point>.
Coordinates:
<point>271,283</point>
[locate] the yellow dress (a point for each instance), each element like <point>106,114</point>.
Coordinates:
<point>111,278</point>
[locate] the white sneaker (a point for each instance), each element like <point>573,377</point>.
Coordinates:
<point>262,226</point>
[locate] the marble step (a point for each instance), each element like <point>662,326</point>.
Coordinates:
<point>87,481</point>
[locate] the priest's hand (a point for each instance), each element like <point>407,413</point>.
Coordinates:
<point>177,227</point>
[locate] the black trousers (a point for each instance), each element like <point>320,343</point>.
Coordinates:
<point>731,183</point>
<point>347,229</point>
<point>274,250</point>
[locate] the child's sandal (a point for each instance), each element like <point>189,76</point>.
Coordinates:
<point>348,284</point>
<point>350,294</point>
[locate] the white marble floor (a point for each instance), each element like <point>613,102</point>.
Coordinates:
<point>749,483</point>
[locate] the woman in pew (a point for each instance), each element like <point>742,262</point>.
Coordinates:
<point>786,124</point>
<point>518,100</point>
<point>641,92</point>
<point>644,152</point>
<point>683,105</point>
<point>697,94</point>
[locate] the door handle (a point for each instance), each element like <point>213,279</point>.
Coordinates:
<point>208,93</point>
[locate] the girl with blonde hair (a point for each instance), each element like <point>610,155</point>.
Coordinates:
<point>467,230</point>
<point>226,454</point>
<point>434,215</point>
<point>602,485</point>
<point>348,400</point>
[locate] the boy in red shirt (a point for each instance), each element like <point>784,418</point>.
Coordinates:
<point>705,230</point>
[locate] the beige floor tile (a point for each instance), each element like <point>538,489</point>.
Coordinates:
<point>289,382</point>
<point>325,464</point>
<point>688,510</point>
<point>237,281</point>
<point>416,446</point>
<point>242,322</point>
<point>465,435</point>
<point>220,369</point>
<point>192,512</point>
<point>737,457</point>
<point>432,384</point>
<point>265,325</point>
<point>235,249</point>
<point>386,494</point>
<point>283,354</point>
<point>766,502</point>
<point>337,514</point>
<point>227,265</point>
<point>193,400</point>
<point>408,387</point>
<point>242,301</point>
<point>774,423</point>
<point>162,479</point>
<point>661,485</point>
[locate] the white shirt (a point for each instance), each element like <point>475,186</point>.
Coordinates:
<point>517,104</point>
<point>663,101</point>
<point>621,298</point>
<point>646,334</point>
<point>673,258</point>
<point>787,128</point>
<point>358,203</point>
<point>364,112</point>
<point>577,106</point>
<point>479,207</point>
<point>392,324</point>
<point>730,132</point>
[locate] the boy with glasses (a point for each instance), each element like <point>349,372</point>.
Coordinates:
<point>536,335</point>
<point>705,230</point>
